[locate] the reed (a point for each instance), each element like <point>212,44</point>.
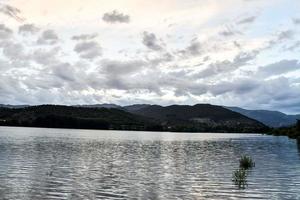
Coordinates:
<point>246,162</point>
<point>239,177</point>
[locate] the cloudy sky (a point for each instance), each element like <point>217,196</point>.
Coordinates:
<point>234,52</point>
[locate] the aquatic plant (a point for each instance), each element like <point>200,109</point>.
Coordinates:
<point>246,162</point>
<point>239,177</point>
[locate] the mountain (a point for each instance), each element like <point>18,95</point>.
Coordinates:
<point>135,107</point>
<point>197,118</point>
<point>269,118</point>
<point>200,117</point>
<point>55,116</point>
<point>13,106</point>
<point>104,105</point>
<point>291,131</point>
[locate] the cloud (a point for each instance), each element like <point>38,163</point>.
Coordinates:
<point>115,17</point>
<point>283,35</point>
<point>194,61</point>
<point>13,51</point>
<point>228,31</point>
<point>293,47</point>
<point>150,40</point>
<point>238,86</point>
<point>64,71</point>
<point>88,49</point>
<point>45,57</point>
<point>247,20</point>
<point>11,11</point>
<point>85,36</point>
<point>28,28</point>
<point>193,49</point>
<point>5,32</point>
<point>226,66</point>
<point>126,75</point>
<point>296,21</point>
<point>279,68</point>
<point>48,37</point>
<point>120,68</point>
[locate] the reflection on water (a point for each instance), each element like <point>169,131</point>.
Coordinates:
<point>80,164</point>
<point>298,145</point>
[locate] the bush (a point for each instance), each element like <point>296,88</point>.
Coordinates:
<point>246,162</point>
<point>239,177</point>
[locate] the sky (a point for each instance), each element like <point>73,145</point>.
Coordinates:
<point>242,53</point>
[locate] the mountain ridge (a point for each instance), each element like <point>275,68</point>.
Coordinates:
<point>197,118</point>
<point>268,117</point>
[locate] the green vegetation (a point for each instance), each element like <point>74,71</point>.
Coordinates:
<point>292,132</point>
<point>198,118</point>
<point>246,162</point>
<point>53,116</point>
<point>239,177</point>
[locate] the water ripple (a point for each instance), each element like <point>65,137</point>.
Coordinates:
<point>79,164</point>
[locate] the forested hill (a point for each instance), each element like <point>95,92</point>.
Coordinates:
<point>198,118</point>
<point>55,116</point>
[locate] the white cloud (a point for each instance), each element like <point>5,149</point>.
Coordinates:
<point>65,54</point>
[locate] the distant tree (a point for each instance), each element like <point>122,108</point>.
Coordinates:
<point>298,126</point>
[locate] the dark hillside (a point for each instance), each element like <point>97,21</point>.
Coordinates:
<point>71,117</point>
<point>200,117</point>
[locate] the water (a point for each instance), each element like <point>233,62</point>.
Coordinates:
<point>84,164</point>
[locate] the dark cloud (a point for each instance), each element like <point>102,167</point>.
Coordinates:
<point>226,66</point>
<point>193,49</point>
<point>120,68</point>
<point>28,28</point>
<point>85,36</point>
<point>88,49</point>
<point>45,57</point>
<point>116,17</point>
<point>279,68</point>
<point>206,58</point>
<point>64,71</point>
<point>247,20</point>
<point>150,40</point>
<point>126,75</point>
<point>11,11</point>
<point>237,86</point>
<point>48,37</point>
<point>13,51</point>
<point>227,33</point>
<point>278,90</point>
<point>5,32</point>
<point>237,44</point>
<point>288,34</point>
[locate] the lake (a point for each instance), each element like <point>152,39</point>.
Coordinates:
<point>88,164</point>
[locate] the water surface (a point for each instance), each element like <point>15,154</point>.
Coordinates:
<point>84,164</point>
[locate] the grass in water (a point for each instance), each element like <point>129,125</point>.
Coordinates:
<point>239,177</point>
<point>246,162</point>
